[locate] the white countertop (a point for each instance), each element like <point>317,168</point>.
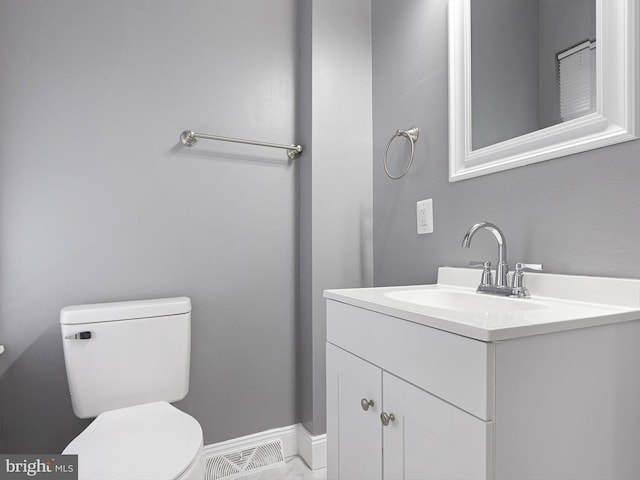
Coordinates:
<point>557,303</point>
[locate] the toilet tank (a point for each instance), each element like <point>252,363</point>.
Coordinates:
<point>126,353</point>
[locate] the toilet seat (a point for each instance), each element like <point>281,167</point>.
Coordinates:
<point>154,441</point>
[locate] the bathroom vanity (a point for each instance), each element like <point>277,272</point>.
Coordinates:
<point>440,382</point>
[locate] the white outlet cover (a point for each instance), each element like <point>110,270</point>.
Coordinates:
<point>424,216</point>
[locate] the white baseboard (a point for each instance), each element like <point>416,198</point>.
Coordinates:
<point>296,440</point>
<point>312,449</point>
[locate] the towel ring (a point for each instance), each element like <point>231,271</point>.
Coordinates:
<point>412,136</point>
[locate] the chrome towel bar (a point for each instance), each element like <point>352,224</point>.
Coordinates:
<point>190,138</point>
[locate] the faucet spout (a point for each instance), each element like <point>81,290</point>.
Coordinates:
<point>502,269</point>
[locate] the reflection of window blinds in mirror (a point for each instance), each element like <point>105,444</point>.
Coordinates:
<point>577,80</point>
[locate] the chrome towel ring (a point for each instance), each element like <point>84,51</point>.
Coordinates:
<point>412,135</point>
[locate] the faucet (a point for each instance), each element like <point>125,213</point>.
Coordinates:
<point>502,280</point>
<point>501,285</point>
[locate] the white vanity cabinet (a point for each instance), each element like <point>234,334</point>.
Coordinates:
<point>357,452</point>
<point>429,438</point>
<point>374,369</point>
<point>533,401</point>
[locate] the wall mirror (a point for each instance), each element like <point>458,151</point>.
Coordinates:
<point>532,80</point>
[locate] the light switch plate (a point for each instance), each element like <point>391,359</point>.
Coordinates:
<point>424,213</point>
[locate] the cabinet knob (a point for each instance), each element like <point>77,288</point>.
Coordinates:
<point>365,404</point>
<point>386,418</point>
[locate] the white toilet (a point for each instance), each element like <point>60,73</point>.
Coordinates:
<point>125,362</point>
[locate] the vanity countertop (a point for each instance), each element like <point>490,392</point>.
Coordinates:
<point>557,303</point>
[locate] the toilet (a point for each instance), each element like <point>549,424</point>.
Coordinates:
<point>126,362</point>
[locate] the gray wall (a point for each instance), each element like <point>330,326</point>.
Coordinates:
<point>336,197</point>
<point>99,203</point>
<point>576,214</point>
<point>513,62</point>
<point>504,69</point>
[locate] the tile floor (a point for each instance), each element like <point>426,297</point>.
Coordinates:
<point>294,469</point>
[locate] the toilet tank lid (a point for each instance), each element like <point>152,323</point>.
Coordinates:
<point>114,311</point>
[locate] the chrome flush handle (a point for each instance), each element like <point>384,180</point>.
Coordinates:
<point>79,336</point>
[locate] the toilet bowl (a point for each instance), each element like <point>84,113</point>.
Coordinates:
<point>125,362</point>
<point>154,441</point>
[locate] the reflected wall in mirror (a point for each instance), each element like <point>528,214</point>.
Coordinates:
<point>515,81</point>
<point>531,80</point>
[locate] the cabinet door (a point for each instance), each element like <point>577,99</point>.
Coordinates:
<point>354,439</point>
<point>431,439</point>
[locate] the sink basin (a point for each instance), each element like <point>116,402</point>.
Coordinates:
<point>557,303</point>
<point>462,301</point>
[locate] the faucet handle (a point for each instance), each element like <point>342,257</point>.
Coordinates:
<point>519,288</point>
<point>528,266</point>
<point>487,276</point>
<point>478,263</point>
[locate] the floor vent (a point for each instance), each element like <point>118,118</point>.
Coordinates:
<point>242,462</point>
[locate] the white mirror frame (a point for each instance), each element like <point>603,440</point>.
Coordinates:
<point>615,120</point>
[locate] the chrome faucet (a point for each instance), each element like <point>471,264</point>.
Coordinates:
<point>501,285</point>
<point>502,269</point>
